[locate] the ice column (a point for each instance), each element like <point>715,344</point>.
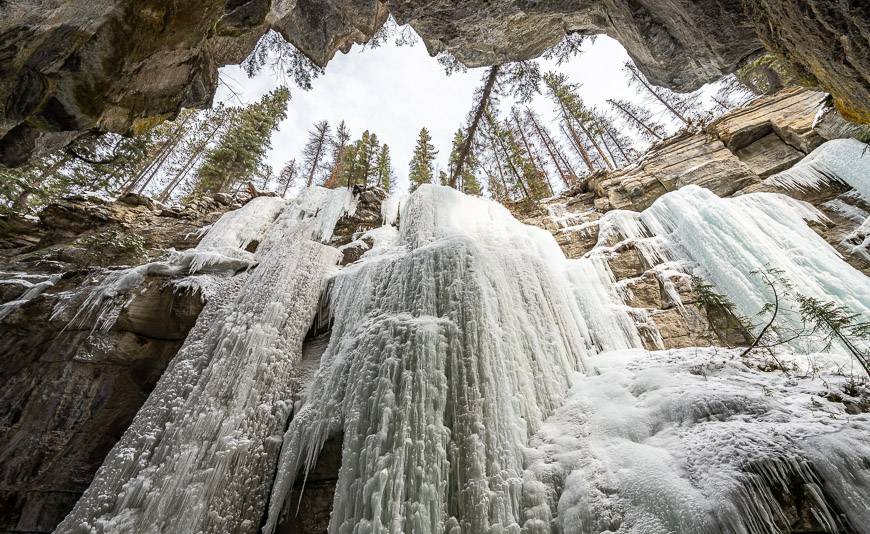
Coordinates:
<point>732,237</point>
<point>200,454</point>
<point>447,352</point>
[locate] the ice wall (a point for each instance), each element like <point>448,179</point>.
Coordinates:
<point>221,250</point>
<point>200,454</point>
<point>453,340</point>
<point>840,160</point>
<point>726,239</point>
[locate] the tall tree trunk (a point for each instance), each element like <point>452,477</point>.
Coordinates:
<point>498,165</point>
<point>160,156</point>
<point>606,146</point>
<point>618,146</point>
<point>636,120</point>
<point>316,161</point>
<point>594,143</point>
<point>472,128</point>
<point>658,97</point>
<point>287,183</point>
<point>537,164</point>
<point>550,150</point>
<point>510,163</point>
<point>191,161</point>
<point>20,203</point>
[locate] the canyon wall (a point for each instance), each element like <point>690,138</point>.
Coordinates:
<point>123,65</point>
<point>73,387</point>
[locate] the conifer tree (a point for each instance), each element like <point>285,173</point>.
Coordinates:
<point>563,167</point>
<point>679,106</point>
<point>314,153</point>
<point>367,155</point>
<point>210,125</point>
<point>385,169</point>
<point>237,155</point>
<point>421,163</point>
<point>339,144</point>
<point>482,101</point>
<point>639,118</point>
<point>575,113</point>
<point>467,180</point>
<point>287,177</point>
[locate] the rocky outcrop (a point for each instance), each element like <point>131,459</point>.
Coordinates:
<point>70,391</point>
<point>732,157</point>
<point>123,66</point>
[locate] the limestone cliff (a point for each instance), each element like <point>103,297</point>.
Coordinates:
<point>123,65</point>
<point>732,157</point>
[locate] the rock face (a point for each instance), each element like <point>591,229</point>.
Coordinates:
<point>69,391</point>
<point>123,65</point>
<point>732,157</point>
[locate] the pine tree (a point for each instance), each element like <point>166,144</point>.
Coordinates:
<point>237,155</point>
<point>639,118</point>
<point>385,169</point>
<point>367,154</point>
<point>576,113</point>
<point>284,59</point>
<point>287,177</point>
<point>314,153</point>
<point>467,180</point>
<point>421,163</point>
<point>482,100</point>
<point>679,106</point>
<point>210,125</point>
<point>563,167</point>
<point>339,144</point>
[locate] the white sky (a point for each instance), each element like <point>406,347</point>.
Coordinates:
<point>394,91</point>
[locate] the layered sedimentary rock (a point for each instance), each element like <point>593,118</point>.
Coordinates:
<point>734,156</point>
<point>122,66</point>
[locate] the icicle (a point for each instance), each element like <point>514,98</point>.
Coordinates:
<point>730,238</point>
<point>447,352</point>
<point>391,207</point>
<point>199,455</point>
<point>840,160</point>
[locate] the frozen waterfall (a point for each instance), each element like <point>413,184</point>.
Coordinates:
<point>726,239</point>
<point>199,455</point>
<point>480,382</point>
<point>449,349</point>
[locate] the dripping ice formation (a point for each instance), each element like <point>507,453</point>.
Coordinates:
<point>199,455</point>
<point>844,160</point>
<point>222,249</point>
<point>729,238</point>
<point>449,349</point>
<point>481,382</point>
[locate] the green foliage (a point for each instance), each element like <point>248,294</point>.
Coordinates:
<point>421,171</point>
<point>467,182</point>
<point>385,169</point>
<point>112,243</point>
<point>240,152</point>
<point>92,164</point>
<point>832,322</point>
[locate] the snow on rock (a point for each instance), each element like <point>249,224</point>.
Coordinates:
<point>698,440</point>
<point>842,160</point>
<point>729,238</point>
<point>451,344</point>
<point>200,454</point>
